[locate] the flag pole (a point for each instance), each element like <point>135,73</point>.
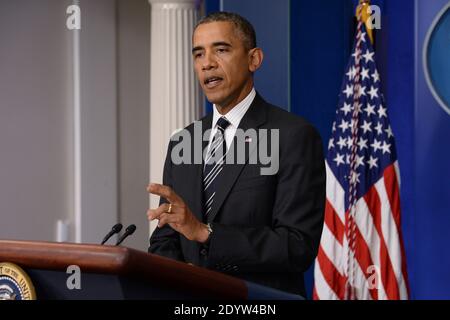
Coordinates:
<point>350,222</point>
<point>362,15</point>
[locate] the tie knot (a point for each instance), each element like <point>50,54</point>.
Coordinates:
<point>223,123</point>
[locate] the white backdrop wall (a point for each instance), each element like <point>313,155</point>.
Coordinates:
<point>39,158</point>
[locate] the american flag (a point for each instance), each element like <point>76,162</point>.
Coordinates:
<point>361,254</point>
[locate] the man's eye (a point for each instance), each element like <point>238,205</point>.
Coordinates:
<point>197,55</point>
<point>222,50</point>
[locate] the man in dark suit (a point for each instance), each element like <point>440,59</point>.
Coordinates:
<point>228,215</point>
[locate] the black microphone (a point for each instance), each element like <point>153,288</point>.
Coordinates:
<point>115,229</point>
<point>128,232</point>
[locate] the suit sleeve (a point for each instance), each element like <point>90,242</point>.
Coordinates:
<point>165,241</point>
<point>291,243</point>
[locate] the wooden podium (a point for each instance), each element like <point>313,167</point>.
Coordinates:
<point>109,272</point>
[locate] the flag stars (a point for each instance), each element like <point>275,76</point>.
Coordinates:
<point>356,53</point>
<point>362,143</point>
<point>360,91</point>
<point>376,76</point>
<point>363,37</point>
<point>348,91</point>
<point>366,126</point>
<point>368,56</point>
<point>372,162</point>
<point>386,147</point>
<point>342,142</point>
<point>365,74</point>
<point>354,178</point>
<point>379,128</point>
<point>382,112</point>
<point>376,145</point>
<point>370,109</point>
<point>351,73</point>
<point>331,144</point>
<point>349,143</point>
<point>389,132</point>
<point>362,138</point>
<point>358,107</point>
<point>344,125</point>
<point>346,108</point>
<point>373,92</point>
<point>359,161</point>
<point>339,159</point>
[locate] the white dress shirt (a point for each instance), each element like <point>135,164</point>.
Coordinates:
<point>234,116</point>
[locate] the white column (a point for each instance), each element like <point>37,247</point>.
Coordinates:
<point>175,99</point>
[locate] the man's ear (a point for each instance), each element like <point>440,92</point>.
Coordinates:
<point>255,59</point>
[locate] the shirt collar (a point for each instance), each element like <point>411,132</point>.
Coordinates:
<point>236,114</point>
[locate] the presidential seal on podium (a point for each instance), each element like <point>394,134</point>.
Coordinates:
<point>15,283</point>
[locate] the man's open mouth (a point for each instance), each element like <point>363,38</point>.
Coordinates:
<point>212,82</point>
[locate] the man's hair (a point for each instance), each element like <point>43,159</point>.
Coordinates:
<point>242,26</point>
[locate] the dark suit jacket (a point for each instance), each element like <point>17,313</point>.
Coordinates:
<point>266,228</point>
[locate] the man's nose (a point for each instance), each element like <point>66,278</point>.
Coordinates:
<point>209,62</point>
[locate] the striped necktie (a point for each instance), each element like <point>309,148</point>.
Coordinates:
<point>214,164</point>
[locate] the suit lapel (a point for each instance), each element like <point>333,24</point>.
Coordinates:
<point>254,118</point>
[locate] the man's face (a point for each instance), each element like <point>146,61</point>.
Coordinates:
<point>221,63</point>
